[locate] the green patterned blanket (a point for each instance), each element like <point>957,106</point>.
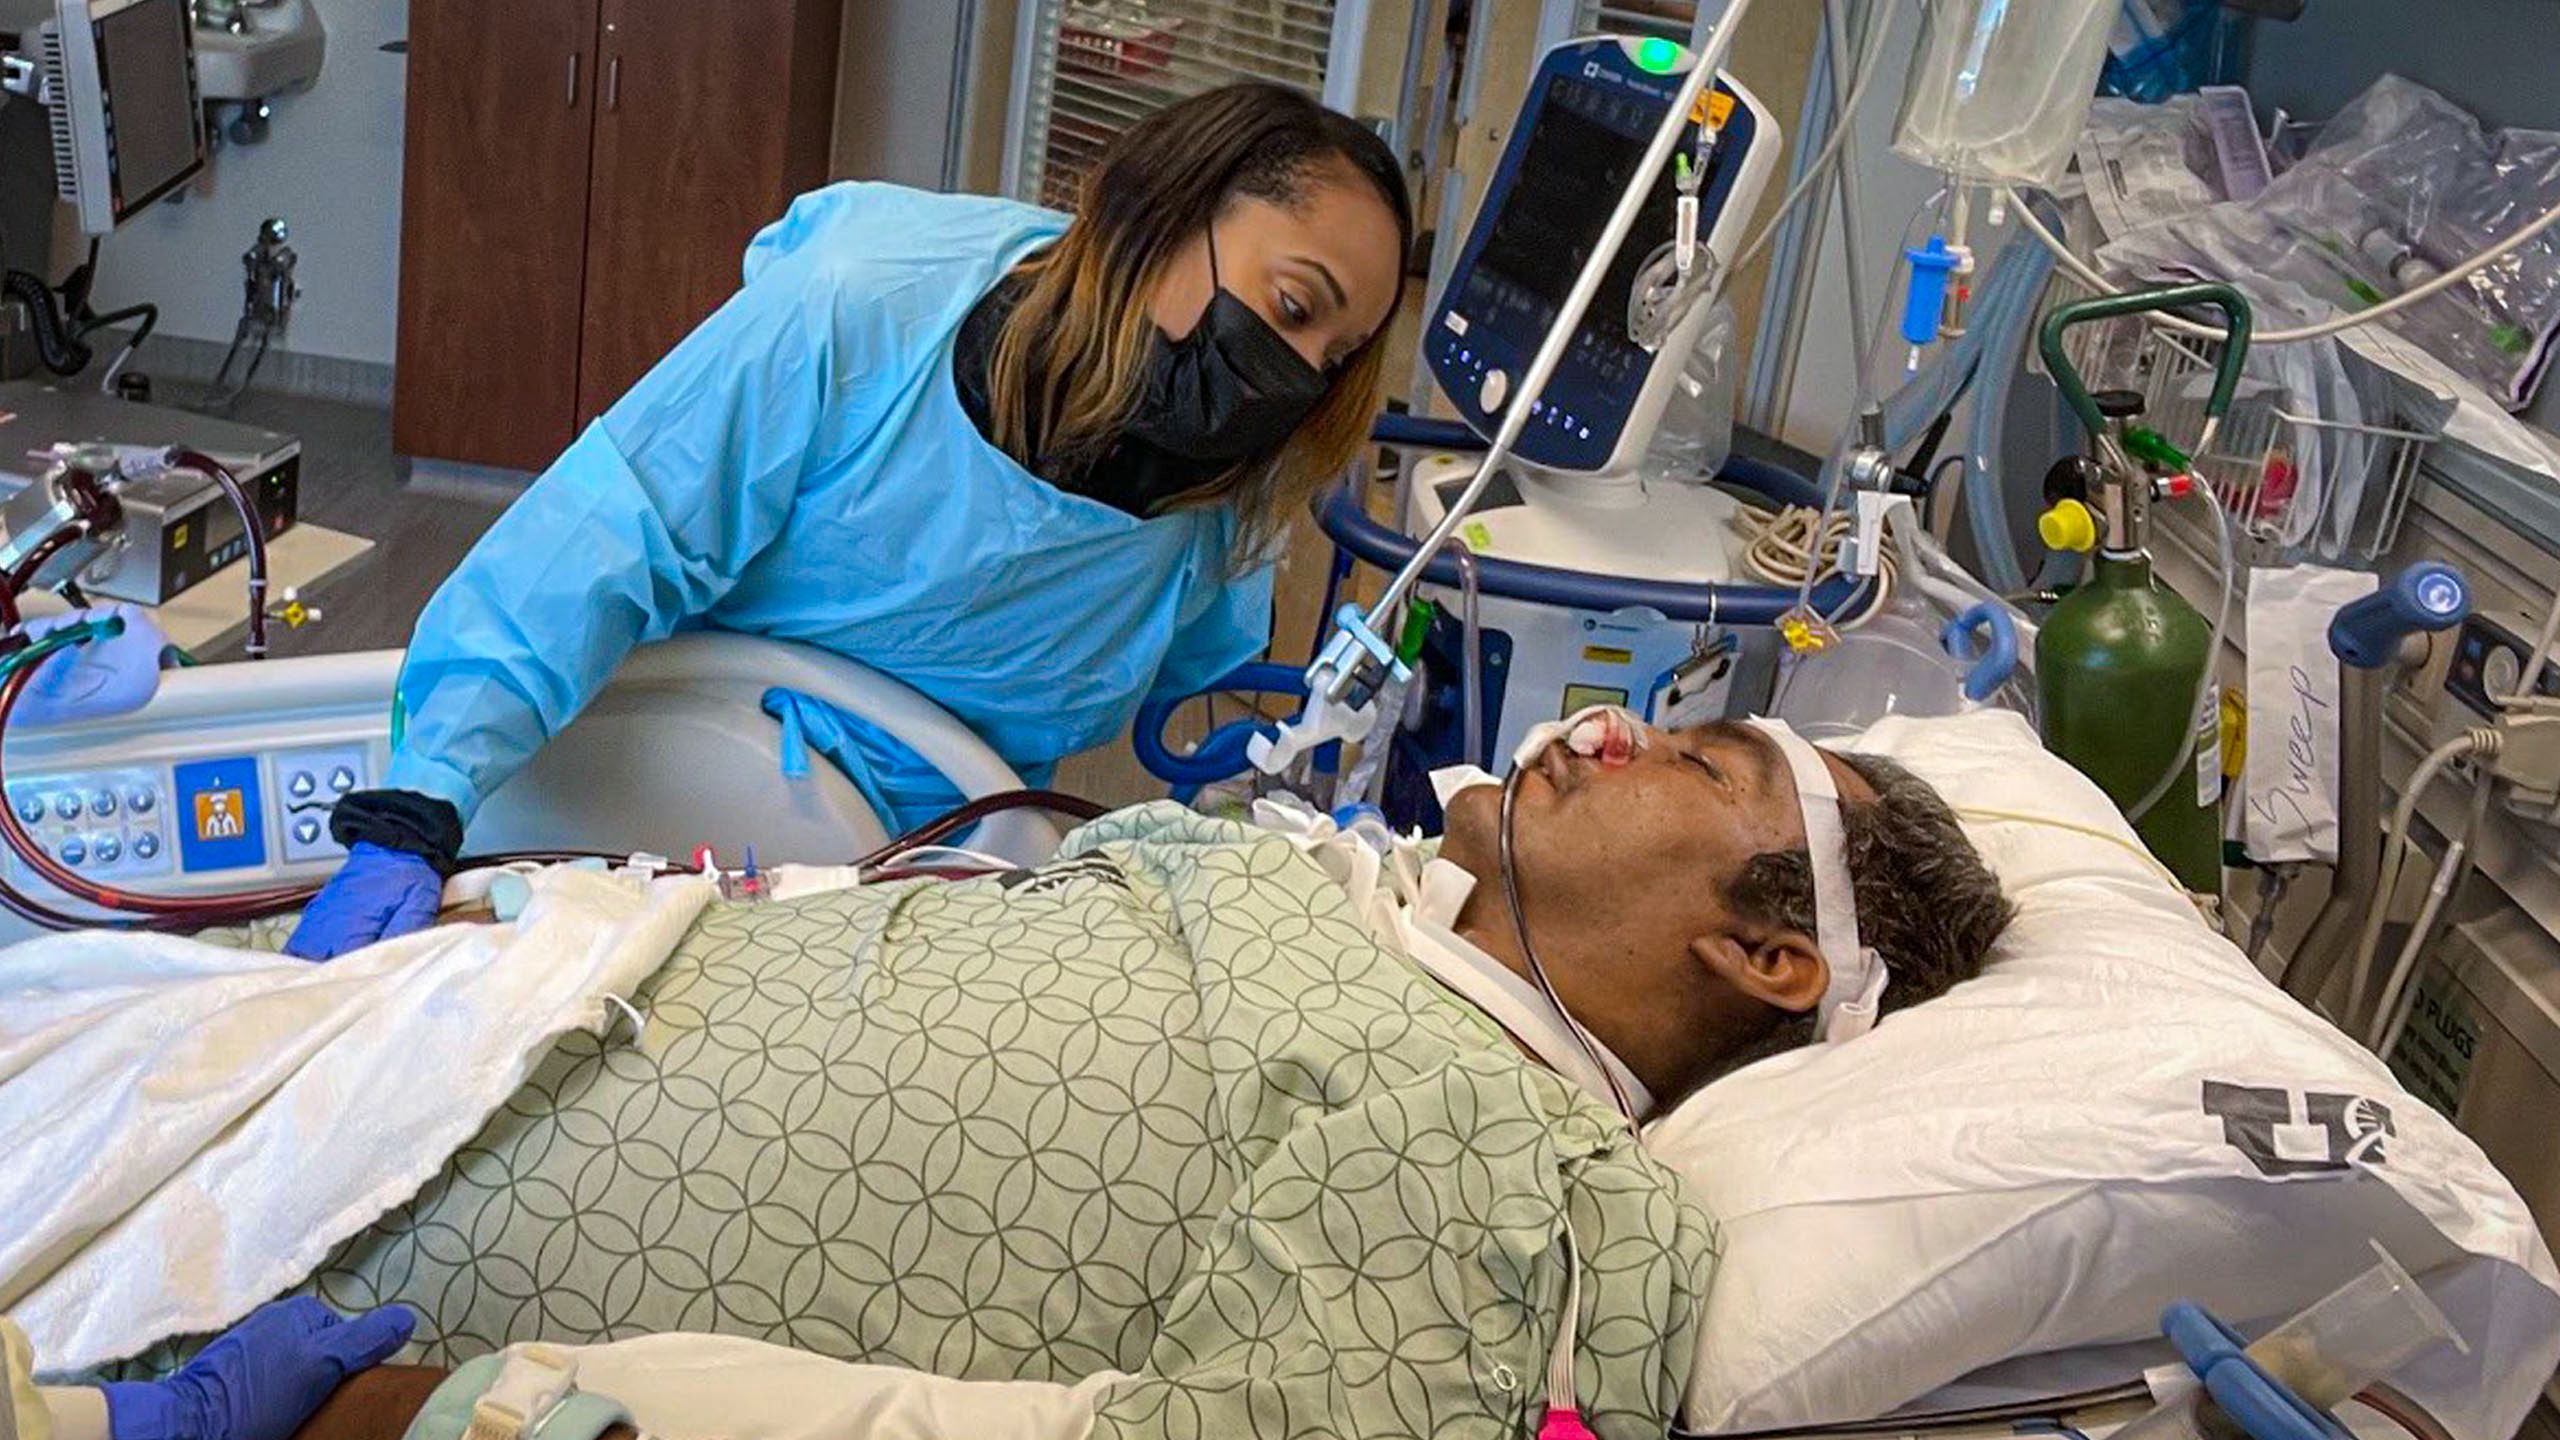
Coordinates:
<point>1162,1106</point>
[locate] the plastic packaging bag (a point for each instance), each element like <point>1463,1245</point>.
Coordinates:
<point>2146,164</point>
<point>2400,186</point>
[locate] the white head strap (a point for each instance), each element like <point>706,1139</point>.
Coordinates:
<point>1856,989</point>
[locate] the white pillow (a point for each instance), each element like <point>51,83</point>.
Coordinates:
<point>2042,1159</point>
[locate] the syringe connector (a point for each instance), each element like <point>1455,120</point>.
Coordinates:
<point>1959,301</point>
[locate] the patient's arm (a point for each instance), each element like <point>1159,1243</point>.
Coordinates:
<point>695,1387</point>
<point>376,1405</point>
<point>380,1403</point>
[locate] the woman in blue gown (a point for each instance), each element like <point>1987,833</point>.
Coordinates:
<point>1035,466</point>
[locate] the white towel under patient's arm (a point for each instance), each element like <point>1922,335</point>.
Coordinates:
<point>78,1412</point>
<point>711,1387</point>
<point>32,1412</point>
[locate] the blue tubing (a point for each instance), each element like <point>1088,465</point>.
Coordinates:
<point>1221,752</point>
<point>1995,660</point>
<point>2005,315</point>
<point>2264,1406</point>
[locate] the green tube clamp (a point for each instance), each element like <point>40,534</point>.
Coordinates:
<point>2153,449</point>
<point>1417,627</point>
<point>2226,372</point>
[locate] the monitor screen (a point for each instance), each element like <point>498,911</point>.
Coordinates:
<point>1584,145</point>
<point>152,112</point>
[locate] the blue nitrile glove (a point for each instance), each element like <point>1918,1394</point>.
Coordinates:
<point>103,677</point>
<point>263,1378</point>
<point>380,892</point>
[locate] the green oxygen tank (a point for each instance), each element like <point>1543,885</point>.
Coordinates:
<point>2117,665</point>
<point>2120,661</point>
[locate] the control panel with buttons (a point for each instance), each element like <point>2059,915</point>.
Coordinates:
<point>109,824</point>
<point>309,785</point>
<point>2489,661</point>
<point>199,817</point>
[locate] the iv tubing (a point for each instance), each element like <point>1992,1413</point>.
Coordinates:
<point>2471,743</point>
<point>2004,327</point>
<point>2391,1007</point>
<point>1830,156</point>
<point>1834,471</point>
<point>2336,324</point>
<point>1474,749</point>
<point>2212,657</point>
<point>1844,121</point>
<point>1613,237</point>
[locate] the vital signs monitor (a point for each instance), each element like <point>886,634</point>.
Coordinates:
<point>1592,107</point>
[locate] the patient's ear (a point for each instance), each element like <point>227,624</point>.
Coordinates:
<point>1783,967</point>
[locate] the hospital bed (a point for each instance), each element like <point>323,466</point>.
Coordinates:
<point>1966,1233</point>
<point>223,782</point>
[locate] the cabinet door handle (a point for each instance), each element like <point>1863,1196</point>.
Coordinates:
<point>573,79</point>
<point>613,83</point>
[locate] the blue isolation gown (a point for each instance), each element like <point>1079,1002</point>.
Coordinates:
<point>800,467</point>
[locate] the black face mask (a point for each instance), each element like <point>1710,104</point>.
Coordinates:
<point>1230,391</point>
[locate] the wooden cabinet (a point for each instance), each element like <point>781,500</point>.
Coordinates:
<point>581,179</point>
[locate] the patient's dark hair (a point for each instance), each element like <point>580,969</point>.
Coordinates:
<point>1926,902</point>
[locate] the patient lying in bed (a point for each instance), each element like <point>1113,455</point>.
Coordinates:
<point>1166,1117</point>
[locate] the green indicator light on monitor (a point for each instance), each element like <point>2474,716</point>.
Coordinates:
<point>1657,55</point>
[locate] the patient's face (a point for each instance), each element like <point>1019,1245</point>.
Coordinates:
<point>1644,849</point>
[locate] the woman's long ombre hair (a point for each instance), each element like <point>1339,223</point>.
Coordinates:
<point>1071,360</point>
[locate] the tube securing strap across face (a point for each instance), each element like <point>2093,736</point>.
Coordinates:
<point>1856,988</point>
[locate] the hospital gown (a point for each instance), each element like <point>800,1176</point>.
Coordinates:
<point>1163,1109</point>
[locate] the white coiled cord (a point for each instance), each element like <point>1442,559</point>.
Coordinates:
<point>1778,547</point>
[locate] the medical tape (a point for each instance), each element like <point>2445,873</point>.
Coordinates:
<point>1589,731</point>
<point>1564,1408</point>
<point>1856,987</point>
<point>531,1383</point>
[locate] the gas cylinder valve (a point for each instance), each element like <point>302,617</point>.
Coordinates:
<point>2069,526</point>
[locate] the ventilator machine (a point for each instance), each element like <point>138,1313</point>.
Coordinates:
<point>1542,558</point>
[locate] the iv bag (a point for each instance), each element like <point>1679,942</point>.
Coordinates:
<point>1999,89</point>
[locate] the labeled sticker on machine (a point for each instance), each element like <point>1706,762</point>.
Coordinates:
<point>1694,693</point>
<point>2439,1044</point>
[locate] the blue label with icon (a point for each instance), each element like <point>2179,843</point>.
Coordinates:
<point>220,817</point>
